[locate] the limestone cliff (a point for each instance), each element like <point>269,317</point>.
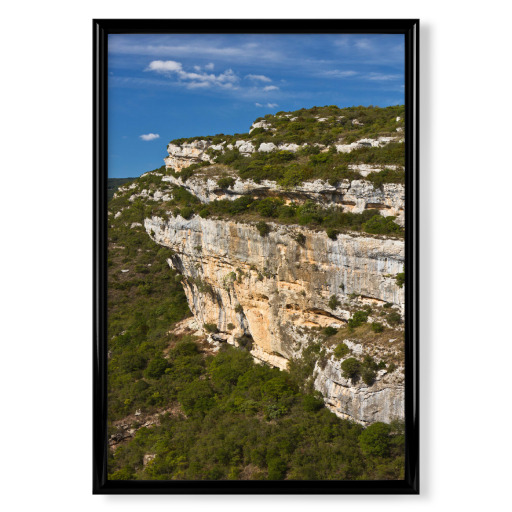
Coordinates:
<point>275,290</point>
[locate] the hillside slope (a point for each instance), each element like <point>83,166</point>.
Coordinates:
<point>286,242</point>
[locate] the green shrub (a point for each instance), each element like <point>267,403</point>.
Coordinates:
<point>197,397</point>
<point>309,150</point>
<point>238,308</point>
<point>156,367</point>
<point>187,172</point>
<point>386,176</point>
<point>332,233</point>
<point>394,318</point>
<point>263,228</point>
<point>311,403</point>
<point>358,318</point>
<point>186,212</point>
<point>369,362</point>
<point>268,207</point>
<point>341,351</point>
<point>225,182</point>
<point>400,279</point>
<point>375,440</point>
<point>211,328</point>
<point>379,225</point>
<point>330,331</point>
<point>276,467</point>
<point>351,368</point>
<point>377,327</point>
<point>230,326</point>
<point>391,367</point>
<point>333,302</point>
<point>368,375</point>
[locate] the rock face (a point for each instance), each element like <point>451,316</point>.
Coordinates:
<point>181,156</point>
<point>382,401</point>
<point>274,289</point>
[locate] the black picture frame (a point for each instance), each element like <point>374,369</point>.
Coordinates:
<point>101,30</point>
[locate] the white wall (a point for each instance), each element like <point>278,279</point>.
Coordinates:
<point>46,258</point>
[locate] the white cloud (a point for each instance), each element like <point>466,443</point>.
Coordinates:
<point>164,66</point>
<point>260,78</point>
<point>268,105</point>
<point>197,79</point>
<point>149,136</point>
<point>270,88</point>
<point>336,73</point>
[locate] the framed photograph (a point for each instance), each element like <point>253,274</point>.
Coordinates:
<point>256,256</point>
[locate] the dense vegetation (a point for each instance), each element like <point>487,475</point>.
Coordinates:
<point>310,214</point>
<point>290,169</point>
<point>243,420</point>
<point>142,304</point>
<point>303,126</point>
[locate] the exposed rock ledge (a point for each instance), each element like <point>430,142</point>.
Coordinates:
<point>187,153</point>
<point>355,196</point>
<point>274,289</point>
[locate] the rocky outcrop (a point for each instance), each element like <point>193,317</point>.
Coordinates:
<point>355,196</point>
<point>188,153</point>
<point>381,401</point>
<point>261,124</point>
<point>366,143</point>
<point>181,156</point>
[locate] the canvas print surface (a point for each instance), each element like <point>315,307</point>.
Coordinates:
<point>256,257</point>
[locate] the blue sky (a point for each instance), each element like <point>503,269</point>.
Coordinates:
<point>163,87</point>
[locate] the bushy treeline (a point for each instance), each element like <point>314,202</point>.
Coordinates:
<point>248,421</point>
<point>310,214</point>
<point>300,126</point>
<point>290,169</point>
